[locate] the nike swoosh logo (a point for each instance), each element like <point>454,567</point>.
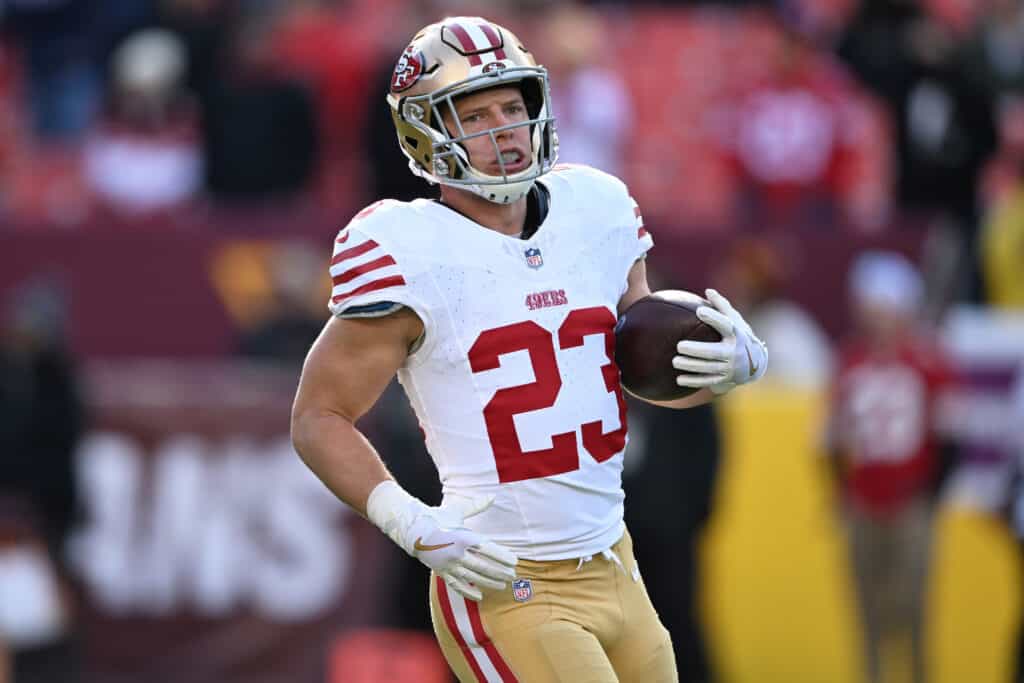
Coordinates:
<point>750,362</point>
<point>419,545</point>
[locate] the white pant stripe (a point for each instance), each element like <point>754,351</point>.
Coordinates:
<point>458,604</point>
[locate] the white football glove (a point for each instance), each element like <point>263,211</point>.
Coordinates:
<point>436,536</point>
<point>721,366</point>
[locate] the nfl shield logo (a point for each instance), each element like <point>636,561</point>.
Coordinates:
<point>533,257</point>
<point>522,590</point>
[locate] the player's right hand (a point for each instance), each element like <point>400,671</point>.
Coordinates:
<point>466,561</point>
<point>438,537</point>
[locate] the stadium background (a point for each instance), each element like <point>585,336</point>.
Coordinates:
<point>167,211</point>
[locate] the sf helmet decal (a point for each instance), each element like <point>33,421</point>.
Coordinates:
<point>408,70</point>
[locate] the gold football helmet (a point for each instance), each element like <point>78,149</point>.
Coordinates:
<point>457,56</point>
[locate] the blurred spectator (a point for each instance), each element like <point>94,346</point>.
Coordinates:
<point>589,99</point>
<point>40,423</point>
<point>1004,170</point>
<point>295,314</point>
<point>944,123</point>
<point>12,143</point>
<point>960,17</point>
<point>144,156</point>
<point>822,22</point>
<point>1001,249</point>
<point>672,463</point>
<point>63,74</point>
<point>322,45</point>
<point>805,142</point>
<point>259,127</point>
<point>994,56</point>
<point>64,45</point>
<point>203,26</point>
<point>883,439</point>
<point>755,274</point>
<point>689,3</point>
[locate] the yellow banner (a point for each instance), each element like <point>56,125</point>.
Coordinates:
<point>778,594</point>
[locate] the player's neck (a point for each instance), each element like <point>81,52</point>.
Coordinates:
<point>508,219</point>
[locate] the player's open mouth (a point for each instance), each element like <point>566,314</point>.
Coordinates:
<point>514,161</point>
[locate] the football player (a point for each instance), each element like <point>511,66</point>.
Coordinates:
<point>496,306</point>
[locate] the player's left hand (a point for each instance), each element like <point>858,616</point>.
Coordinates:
<point>721,366</point>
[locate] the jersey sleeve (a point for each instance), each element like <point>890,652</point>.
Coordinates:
<point>641,239</point>
<point>616,209</point>
<point>363,273</point>
<point>609,203</point>
<point>368,277</point>
<point>634,241</point>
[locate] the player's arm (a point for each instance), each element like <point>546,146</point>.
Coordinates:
<point>346,371</point>
<point>636,285</point>
<point>637,288</point>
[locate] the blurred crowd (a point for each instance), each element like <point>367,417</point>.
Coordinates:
<point>829,114</point>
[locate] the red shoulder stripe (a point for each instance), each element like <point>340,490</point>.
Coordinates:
<point>373,286</point>
<point>353,273</point>
<point>352,252</point>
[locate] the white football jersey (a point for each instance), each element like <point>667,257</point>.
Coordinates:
<point>514,385</point>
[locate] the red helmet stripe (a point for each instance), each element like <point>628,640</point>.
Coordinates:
<point>467,43</point>
<point>492,35</point>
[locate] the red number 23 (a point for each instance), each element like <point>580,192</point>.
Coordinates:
<point>515,464</point>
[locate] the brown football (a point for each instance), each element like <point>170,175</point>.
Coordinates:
<point>646,337</point>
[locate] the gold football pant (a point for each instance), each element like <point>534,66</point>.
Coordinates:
<point>565,621</point>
